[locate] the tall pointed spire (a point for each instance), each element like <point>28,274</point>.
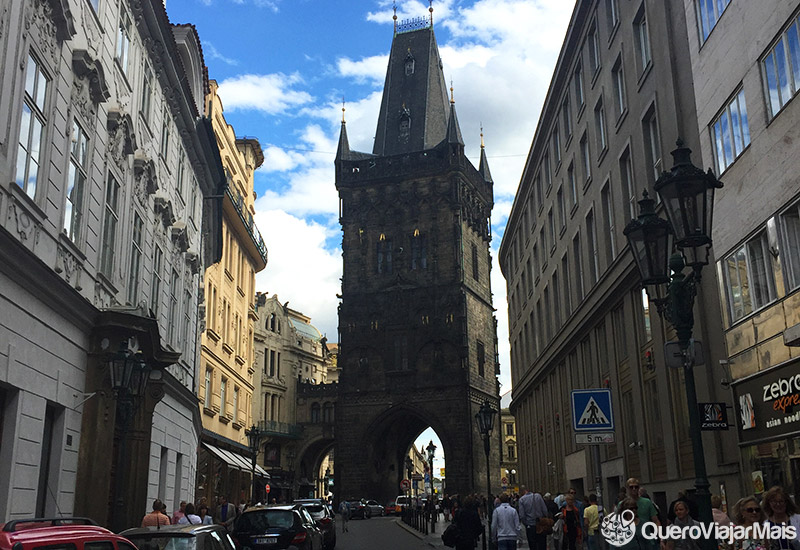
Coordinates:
<point>343,151</point>
<point>453,129</point>
<point>483,168</point>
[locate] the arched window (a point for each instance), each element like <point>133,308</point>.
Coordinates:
<point>315,413</point>
<point>271,322</point>
<point>327,413</point>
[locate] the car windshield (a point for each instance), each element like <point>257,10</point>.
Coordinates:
<point>316,510</point>
<point>161,542</point>
<point>261,520</point>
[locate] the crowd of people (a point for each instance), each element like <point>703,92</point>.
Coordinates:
<point>572,522</point>
<point>224,514</point>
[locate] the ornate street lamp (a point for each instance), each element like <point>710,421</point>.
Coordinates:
<point>431,453</point>
<point>485,419</point>
<point>254,435</point>
<point>688,196</point>
<point>410,471</point>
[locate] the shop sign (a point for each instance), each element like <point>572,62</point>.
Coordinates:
<point>713,416</point>
<point>768,404</point>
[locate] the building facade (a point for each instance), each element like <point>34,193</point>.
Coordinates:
<point>294,400</point>
<point>620,96</point>
<point>746,68</point>
<point>104,235</point>
<point>507,435</point>
<point>417,344</point>
<point>227,353</point>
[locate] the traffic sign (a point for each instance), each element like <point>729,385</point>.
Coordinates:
<point>405,485</point>
<point>504,481</point>
<point>592,411</point>
<point>416,476</point>
<point>594,438</point>
<point>266,488</point>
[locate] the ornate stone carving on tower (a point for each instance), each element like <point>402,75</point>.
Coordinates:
<point>417,331</point>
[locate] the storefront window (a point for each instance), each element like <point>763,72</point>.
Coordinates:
<point>774,463</point>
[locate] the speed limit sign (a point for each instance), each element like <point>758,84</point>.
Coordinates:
<point>405,485</point>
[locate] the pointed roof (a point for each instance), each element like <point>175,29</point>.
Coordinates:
<point>414,114</point>
<point>483,168</point>
<point>453,130</point>
<point>343,151</point>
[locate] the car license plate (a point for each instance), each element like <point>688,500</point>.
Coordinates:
<point>267,540</point>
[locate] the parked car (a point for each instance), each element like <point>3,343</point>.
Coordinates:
<point>401,502</point>
<point>277,526</point>
<point>73,533</point>
<point>391,508</point>
<point>324,517</point>
<point>374,509</point>
<point>358,510</point>
<point>180,537</point>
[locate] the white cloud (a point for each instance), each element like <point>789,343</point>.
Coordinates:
<point>301,269</point>
<point>367,70</point>
<point>277,159</point>
<point>270,93</point>
<point>212,52</point>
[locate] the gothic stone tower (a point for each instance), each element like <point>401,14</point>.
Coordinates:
<point>417,331</point>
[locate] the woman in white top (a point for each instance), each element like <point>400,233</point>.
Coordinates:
<point>780,510</point>
<point>190,517</point>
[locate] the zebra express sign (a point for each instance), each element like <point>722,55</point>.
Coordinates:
<point>768,404</point>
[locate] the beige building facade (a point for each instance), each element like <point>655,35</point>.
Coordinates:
<point>620,96</point>
<point>746,67</point>
<point>227,353</point>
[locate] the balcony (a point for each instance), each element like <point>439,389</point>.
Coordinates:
<point>272,428</point>
<point>235,206</point>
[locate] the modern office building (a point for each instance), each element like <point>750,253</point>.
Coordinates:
<point>620,97</point>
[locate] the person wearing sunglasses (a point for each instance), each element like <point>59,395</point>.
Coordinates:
<point>746,513</point>
<point>645,509</point>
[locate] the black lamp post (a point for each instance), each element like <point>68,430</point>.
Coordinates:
<point>688,196</point>
<point>485,419</point>
<point>254,435</point>
<point>129,375</point>
<point>410,471</point>
<point>431,453</point>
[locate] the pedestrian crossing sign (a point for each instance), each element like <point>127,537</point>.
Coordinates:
<point>592,411</point>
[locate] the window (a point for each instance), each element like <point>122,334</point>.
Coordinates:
<point>173,306</point>
<point>235,404</point>
<point>223,385</point>
<point>648,329</point>
<point>642,39</point>
<point>626,175</point>
<point>586,158</point>
<point>573,186</point>
<point>613,13</point>
<point>576,258</point>
<point>384,254</point>
<point>419,251</point>
<point>652,142</point>
<point>475,270</point>
<point>566,278</point>
<point>608,222</point>
<point>207,397</point>
<point>111,218</point>
<point>76,182</point>
<point>535,256</point>
<point>539,192</point>
<point>543,241</point>
<point>187,319</point>
<point>578,83</point>
<point>566,118</point>
<point>136,259</point>
<point>556,300</point>
<point>618,76</point>
<point>509,429</point>
<point>529,277</point>
<point>31,128</point>
<point>548,176</point>
<point>782,68</point>
<point>327,412</point>
<point>731,132</point>
<point>594,49</point>
<point>600,126</point>
<point>708,13</point>
<point>591,242</point>
<point>155,284</point>
<point>556,146</point>
<point>481,353</point>
<point>790,240</point>
<point>179,180</point>
<point>315,413</point>
<point>147,93</point>
<point>124,41</point>
<point>165,129</point>
<point>748,274</point>
<point>562,213</point>
<point>551,223</point>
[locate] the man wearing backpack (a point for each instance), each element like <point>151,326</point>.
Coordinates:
<point>344,510</point>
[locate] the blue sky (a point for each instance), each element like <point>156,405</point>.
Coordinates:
<point>284,66</point>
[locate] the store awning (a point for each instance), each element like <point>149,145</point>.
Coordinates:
<point>235,460</point>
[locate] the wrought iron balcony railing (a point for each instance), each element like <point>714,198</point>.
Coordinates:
<point>273,428</point>
<point>249,223</point>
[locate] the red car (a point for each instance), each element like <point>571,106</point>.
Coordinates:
<point>73,533</point>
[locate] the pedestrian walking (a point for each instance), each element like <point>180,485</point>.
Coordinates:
<point>205,516</point>
<point>226,514</point>
<point>155,518</point>
<point>684,520</point>
<point>505,524</point>
<point>573,524</point>
<point>531,508</point>
<point>781,510</point>
<point>446,507</point>
<point>189,517</point>
<point>179,513</point>
<point>469,524</point>
<point>344,510</point>
<point>591,521</point>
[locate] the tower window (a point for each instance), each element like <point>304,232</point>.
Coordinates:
<point>384,255</point>
<point>474,262</point>
<point>481,358</point>
<point>419,251</point>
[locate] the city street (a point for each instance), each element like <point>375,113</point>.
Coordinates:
<point>387,531</point>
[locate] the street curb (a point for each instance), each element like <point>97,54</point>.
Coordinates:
<point>416,533</point>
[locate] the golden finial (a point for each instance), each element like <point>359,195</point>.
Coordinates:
<point>430,9</point>
<point>342,109</point>
<point>394,17</point>
<point>452,98</point>
<point>481,135</point>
